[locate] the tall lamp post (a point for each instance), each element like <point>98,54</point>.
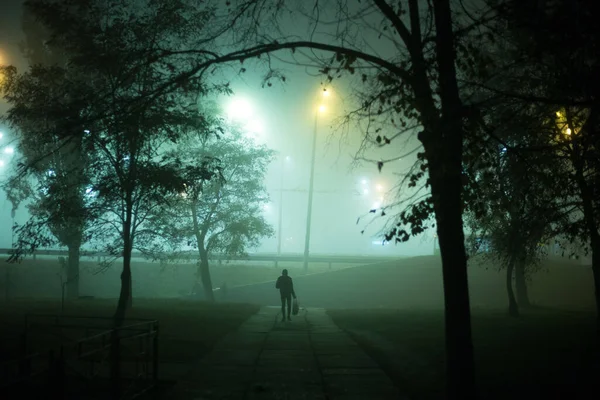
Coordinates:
<point>280,216</point>
<point>321,109</point>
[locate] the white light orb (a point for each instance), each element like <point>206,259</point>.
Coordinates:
<point>239,109</point>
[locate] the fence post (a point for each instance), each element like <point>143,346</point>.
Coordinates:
<point>24,344</point>
<point>61,374</point>
<point>155,354</point>
<point>25,368</point>
<point>25,363</point>
<point>115,367</point>
<point>62,296</point>
<point>51,373</point>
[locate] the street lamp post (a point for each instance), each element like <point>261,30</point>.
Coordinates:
<point>310,196</point>
<point>321,108</point>
<point>280,217</point>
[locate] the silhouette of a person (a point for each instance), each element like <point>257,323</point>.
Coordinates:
<point>286,289</point>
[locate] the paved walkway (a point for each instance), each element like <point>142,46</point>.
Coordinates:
<point>307,358</point>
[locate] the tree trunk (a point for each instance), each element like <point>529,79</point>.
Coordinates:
<point>204,273</point>
<point>444,157</point>
<point>513,308</point>
<point>119,317</point>
<point>589,218</point>
<point>521,285</point>
<point>73,272</point>
<point>130,299</point>
<point>124,302</point>
<point>596,272</point>
<point>459,347</point>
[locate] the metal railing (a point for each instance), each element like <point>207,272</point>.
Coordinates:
<point>264,257</point>
<point>82,353</point>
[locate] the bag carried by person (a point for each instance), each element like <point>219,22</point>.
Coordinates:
<point>295,307</point>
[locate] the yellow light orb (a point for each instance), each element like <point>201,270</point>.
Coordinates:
<point>322,108</point>
<point>568,131</point>
<point>326,93</point>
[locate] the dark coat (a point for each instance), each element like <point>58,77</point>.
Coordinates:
<point>285,286</point>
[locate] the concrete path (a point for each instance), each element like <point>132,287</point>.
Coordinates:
<point>307,358</point>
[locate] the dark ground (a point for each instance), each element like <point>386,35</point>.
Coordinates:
<point>544,354</point>
<point>394,312</point>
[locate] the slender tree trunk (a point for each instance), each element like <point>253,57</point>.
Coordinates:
<point>125,293</point>
<point>513,308</point>
<point>119,317</point>
<point>204,273</point>
<point>130,299</point>
<point>521,285</point>
<point>203,268</point>
<point>73,272</point>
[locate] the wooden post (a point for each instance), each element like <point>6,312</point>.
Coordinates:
<point>155,355</point>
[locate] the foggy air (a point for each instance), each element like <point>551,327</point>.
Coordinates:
<point>279,199</point>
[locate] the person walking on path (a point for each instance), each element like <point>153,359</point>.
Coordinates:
<point>286,289</point>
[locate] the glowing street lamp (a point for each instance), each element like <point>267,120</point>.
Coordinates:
<point>240,109</point>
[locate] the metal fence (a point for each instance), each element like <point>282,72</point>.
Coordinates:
<point>80,357</point>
